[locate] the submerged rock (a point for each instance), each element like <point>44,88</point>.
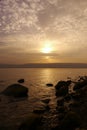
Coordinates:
<point>49,84</point>
<point>16,90</point>
<point>21,81</point>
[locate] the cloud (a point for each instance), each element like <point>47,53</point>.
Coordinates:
<point>26,24</point>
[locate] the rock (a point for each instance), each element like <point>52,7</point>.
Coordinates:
<point>74,105</point>
<point>68,97</point>
<point>62,91</point>
<point>70,121</point>
<point>39,110</point>
<point>60,102</point>
<point>80,85</point>
<point>62,88</point>
<point>49,84</point>
<point>21,81</point>
<point>31,123</point>
<point>47,108</point>
<point>46,101</point>
<point>62,84</point>
<point>61,109</point>
<point>16,90</point>
<point>76,96</point>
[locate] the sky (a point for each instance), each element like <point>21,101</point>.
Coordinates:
<point>43,31</point>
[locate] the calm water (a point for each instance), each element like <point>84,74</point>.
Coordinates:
<point>14,111</point>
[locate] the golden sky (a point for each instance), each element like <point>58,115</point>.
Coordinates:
<point>43,31</point>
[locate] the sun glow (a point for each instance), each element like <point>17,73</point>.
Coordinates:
<point>47,47</point>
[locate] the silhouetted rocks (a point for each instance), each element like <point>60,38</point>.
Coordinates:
<point>62,91</point>
<point>32,122</point>
<point>49,84</point>
<point>62,84</point>
<point>62,88</point>
<point>21,81</point>
<point>16,90</point>
<point>80,84</point>
<point>60,102</point>
<point>68,97</point>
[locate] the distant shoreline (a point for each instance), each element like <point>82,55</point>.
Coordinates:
<point>45,65</point>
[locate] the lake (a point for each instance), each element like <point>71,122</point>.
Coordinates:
<point>12,111</point>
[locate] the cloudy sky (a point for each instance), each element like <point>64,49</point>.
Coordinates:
<point>39,31</point>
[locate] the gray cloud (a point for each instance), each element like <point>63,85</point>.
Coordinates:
<point>25,24</point>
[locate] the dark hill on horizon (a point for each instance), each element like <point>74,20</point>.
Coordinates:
<point>45,65</point>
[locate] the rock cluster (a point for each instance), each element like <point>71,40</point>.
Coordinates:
<point>72,107</point>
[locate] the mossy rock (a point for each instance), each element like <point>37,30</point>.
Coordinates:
<point>71,121</point>
<point>16,90</point>
<point>31,123</point>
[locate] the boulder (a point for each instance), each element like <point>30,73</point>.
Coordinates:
<point>16,90</point>
<point>32,122</point>
<point>62,91</point>
<point>62,84</point>
<point>62,88</point>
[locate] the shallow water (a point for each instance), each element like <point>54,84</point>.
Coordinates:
<point>12,111</point>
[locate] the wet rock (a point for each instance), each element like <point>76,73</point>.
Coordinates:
<point>62,84</point>
<point>76,96</point>
<point>70,121</point>
<point>39,110</point>
<point>74,105</point>
<point>21,81</point>
<point>62,88</point>
<point>60,102</point>
<point>47,107</point>
<point>61,109</point>
<point>31,123</point>
<point>46,101</point>
<point>16,90</point>
<point>80,85</point>
<point>68,97</point>
<point>49,84</point>
<point>62,91</point>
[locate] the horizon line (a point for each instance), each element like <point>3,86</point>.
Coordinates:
<point>45,65</point>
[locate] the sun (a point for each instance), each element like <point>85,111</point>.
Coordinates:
<point>47,48</point>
